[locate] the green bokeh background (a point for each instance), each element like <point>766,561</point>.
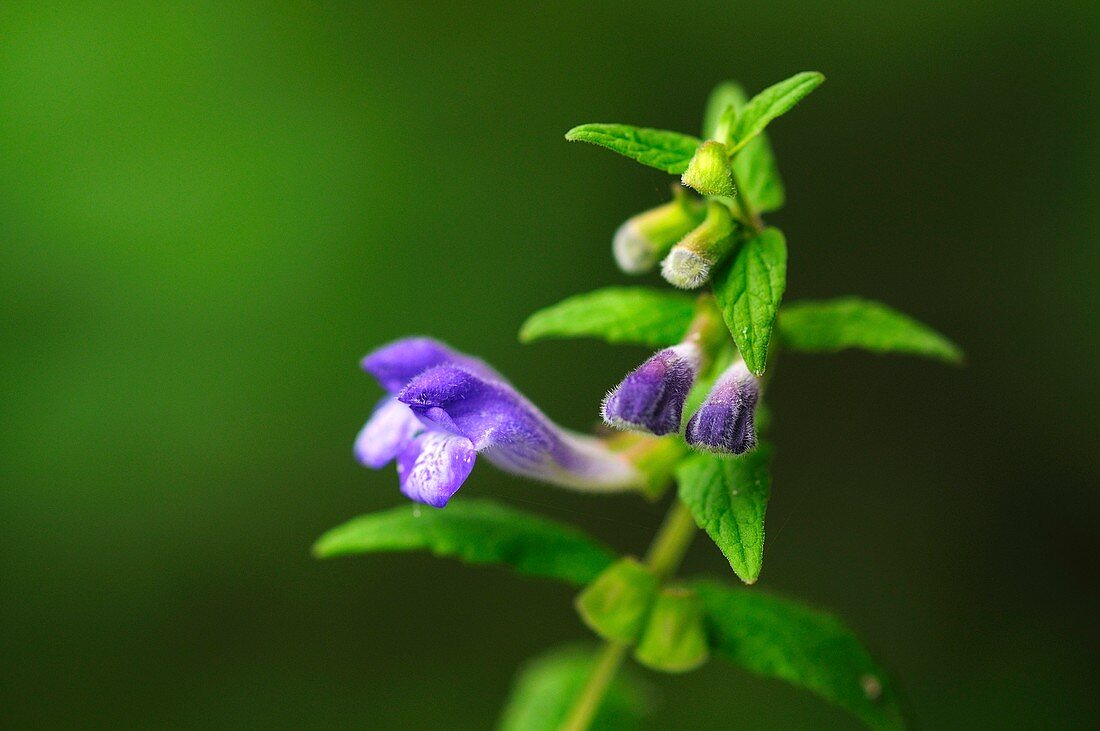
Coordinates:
<point>209,211</point>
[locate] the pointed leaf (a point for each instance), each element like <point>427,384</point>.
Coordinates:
<point>779,638</point>
<point>547,687</point>
<point>477,532</point>
<point>749,289</point>
<point>771,103</point>
<point>657,148</point>
<point>754,167</point>
<point>827,326</point>
<point>634,315</point>
<point>728,498</point>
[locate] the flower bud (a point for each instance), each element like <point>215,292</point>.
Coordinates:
<point>615,605</point>
<point>644,239</point>
<point>709,171</point>
<point>651,397</point>
<point>724,423</point>
<point>674,639</point>
<point>689,263</point>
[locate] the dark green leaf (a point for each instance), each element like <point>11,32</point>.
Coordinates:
<point>779,638</point>
<point>771,103</point>
<point>547,687</point>
<point>657,148</point>
<point>475,531</point>
<point>634,315</point>
<point>728,498</point>
<point>749,289</point>
<point>754,166</point>
<point>851,322</point>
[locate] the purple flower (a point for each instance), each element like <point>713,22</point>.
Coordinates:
<point>393,426</point>
<point>724,423</point>
<point>450,407</point>
<point>651,398</point>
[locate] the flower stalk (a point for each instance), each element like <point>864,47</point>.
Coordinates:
<point>663,558</point>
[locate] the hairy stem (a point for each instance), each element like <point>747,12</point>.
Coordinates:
<point>663,558</point>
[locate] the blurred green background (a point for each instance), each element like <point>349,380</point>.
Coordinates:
<point>210,211</point>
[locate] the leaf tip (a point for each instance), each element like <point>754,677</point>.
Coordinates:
<point>320,549</point>
<point>573,135</point>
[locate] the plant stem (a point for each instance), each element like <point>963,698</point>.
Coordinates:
<point>663,558</point>
<point>607,664</point>
<point>748,213</point>
<point>672,541</point>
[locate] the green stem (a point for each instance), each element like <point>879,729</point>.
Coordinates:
<point>748,212</point>
<point>671,542</point>
<point>663,558</point>
<point>607,664</point>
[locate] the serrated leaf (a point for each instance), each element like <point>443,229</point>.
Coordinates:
<point>827,326</point>
<point>728,498</point>
<point>754,165</point>
<point>477,532</point>
<point>657,148</point>
<point>780,638</point>
<point>774,101</point>
<point>630,315</point>
<point>749,289</point>
<point>547,687</point>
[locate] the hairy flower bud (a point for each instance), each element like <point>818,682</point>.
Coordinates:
<point>724,423</point>
<point>645,238</point>
<point>690,262</point>
<point>651,397</point>
<point>709,171</point>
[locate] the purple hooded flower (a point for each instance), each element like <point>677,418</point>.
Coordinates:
<point>451,407</point>
<point>393,426</point>
<point>724,423</point>
<point>651,397</point>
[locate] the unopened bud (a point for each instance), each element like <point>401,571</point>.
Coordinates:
<point>674,639</point>
<point>709,171</point>
<point>690,262</point>
<point>645,238</point>
<point>615,605</point>
<point>651,397</point>
<point>724,423</point>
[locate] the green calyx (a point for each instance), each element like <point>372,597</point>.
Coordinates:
<point>674,639</point>
<point>709,171</point>
<point>615,605</point>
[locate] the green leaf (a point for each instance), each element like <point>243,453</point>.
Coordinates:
<point>754,165</point>
<point>475,531</point>
<point>547,687</point>
<point>779,638</point>
<point>728,498</point>
<point>771,103</point>
<point>657,148</point>
<point>634,315</point>
<point>851,322</point>
<point>722,97</point>
<point>749,289</point>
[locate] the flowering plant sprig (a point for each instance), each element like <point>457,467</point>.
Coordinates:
<point>444,409</point>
